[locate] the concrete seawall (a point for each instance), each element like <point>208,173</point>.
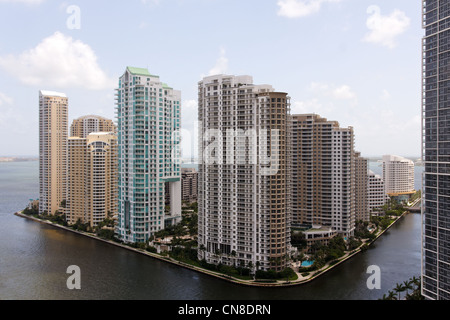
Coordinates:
<point>300,281</point>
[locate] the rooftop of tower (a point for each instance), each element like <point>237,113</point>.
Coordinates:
<point>140,72</point>
<point>52,94</point>
<point>91,116</point>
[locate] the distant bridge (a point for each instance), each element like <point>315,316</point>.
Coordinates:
<point>417,208</point>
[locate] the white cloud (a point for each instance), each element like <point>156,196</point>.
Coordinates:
<point>300,8</point>
<point>221,66</point>
<point>318,87</point>
<point>60,62</point>
<point>309,106</point>
<point>385,95</point>
<point>189,113</point>
<point>335,102</point>
<point>10,118</point>
<point>343,92</point>
<point>4,99</point>
<point>336,92</point>
<point>385,29</point>
<point>16,122</point>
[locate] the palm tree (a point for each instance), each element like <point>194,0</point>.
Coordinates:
<point>399,289</point>
<point>219,255</point>
<point>202,249</point>
<point>407,285</point>
<point>233,254</point>
<point>287,258</point>
<point>391,296</point>
<point>241,266</point>
<point>416,281</point>
<point>417,290</point>
<point>250,267</point>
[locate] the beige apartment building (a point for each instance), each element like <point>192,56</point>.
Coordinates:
<point>53,131</point>
<point>92,178</point>
<point>323,174</point>
<point>244,173</point>
<point>85,125</point>
<point>189,181</point>
<point>362,211</point>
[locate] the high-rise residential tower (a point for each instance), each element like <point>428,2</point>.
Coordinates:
<point>244,173</point>
<point>323,174</point>
<point>436,150</point>
<point>361,188</point>
<point>53,134</point>
<point>398,176</point>
<point>85,125</point>
<point>148,119</point>
<point>189,182</point>
<point>376,193</point>
<point>92,178</point>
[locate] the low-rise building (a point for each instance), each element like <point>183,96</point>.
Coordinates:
<point>319,235</point>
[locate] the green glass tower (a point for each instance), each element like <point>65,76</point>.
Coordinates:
<point>148,119</point>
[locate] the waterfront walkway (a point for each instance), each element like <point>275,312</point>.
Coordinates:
<point>280,283</point>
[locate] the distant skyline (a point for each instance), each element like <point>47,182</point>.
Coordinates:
<point>357,62</point>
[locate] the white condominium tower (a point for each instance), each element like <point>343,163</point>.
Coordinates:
<point>243,187</point>
<point>323,174</point>
<point>377,196</point>
<point>148,119</point>
<point>92,178</point>
<point>53,110</point>
<point>398,176</point>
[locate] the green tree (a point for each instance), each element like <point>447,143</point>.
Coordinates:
<point>407,285</point>
<point>399,288</point>
<point>298,240</point>
<point>391,296</point>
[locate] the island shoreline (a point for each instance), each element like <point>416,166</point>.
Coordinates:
<point>219,276</point>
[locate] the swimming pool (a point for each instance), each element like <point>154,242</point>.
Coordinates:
<point>306,264</point>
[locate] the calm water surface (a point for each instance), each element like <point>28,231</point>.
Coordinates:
<point>34,259</point>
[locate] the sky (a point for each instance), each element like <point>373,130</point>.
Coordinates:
<point>357,62</point>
